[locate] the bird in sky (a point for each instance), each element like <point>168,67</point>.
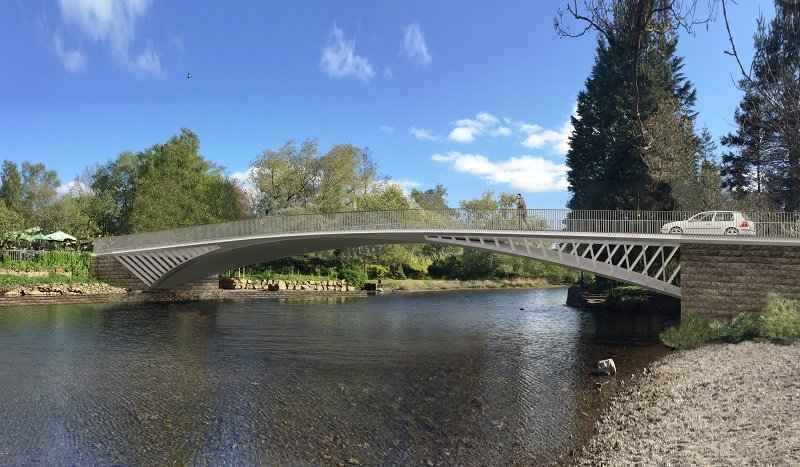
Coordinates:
<point>188,76</point>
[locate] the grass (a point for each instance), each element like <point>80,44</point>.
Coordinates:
<point>778,321</point>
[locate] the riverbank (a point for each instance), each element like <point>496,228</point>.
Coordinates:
<point>723,404</point>
<point>65,293</point>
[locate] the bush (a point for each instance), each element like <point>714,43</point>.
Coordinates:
<point>743,327</point>
<point>692,332</point>
<point>780,319</point>
<point>353,275</point>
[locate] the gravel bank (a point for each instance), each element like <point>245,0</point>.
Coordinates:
<point>718,405</point>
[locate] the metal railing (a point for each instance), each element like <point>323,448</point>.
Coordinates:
<point>766,224</point>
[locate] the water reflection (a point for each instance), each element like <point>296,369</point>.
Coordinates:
<point>460,378</point>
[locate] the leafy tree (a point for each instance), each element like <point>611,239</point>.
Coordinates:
<point>38,187</point>
<point>296,180</point>
<point>10,220</point>
<point>432,199</point>
<point>196,191</point>
<point>11,186</point>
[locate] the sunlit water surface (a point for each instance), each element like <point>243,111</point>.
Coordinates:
<point>460,378</point>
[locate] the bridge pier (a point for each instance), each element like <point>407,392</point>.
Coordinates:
<point>724,280</point>
<point>112,272</point>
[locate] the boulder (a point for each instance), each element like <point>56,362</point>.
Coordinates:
<point>606,367</point>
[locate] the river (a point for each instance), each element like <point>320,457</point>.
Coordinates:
<point>467,378</point>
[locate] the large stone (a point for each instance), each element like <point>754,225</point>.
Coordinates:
<point>606,367</point>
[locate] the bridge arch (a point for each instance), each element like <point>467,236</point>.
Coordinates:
<point>641,261</point>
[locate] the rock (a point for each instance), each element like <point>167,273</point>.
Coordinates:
<point>606,367</point>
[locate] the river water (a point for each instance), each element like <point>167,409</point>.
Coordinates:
<point>467,378</point>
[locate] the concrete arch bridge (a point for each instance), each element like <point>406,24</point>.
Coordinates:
<point>636,247</point>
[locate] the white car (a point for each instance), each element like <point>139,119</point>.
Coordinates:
<point>712,223</point>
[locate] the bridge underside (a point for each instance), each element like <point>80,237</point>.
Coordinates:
<point>652,263</point>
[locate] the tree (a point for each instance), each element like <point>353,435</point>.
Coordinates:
<point>196,193</point>
<point>10,220</point>
<point>38,187</point>
<point>11,186</point>
<point>709,182</point>
<point>296,180</point>
<point>432,199</point>
<point>763,166</point>
<point>614,151</point>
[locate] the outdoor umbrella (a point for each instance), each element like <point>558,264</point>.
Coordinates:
<point>60,236</point>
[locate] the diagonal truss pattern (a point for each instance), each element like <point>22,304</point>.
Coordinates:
<point>151,266</point>
<point>654,266</point>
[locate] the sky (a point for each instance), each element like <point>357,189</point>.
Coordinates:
<point>472,95</point>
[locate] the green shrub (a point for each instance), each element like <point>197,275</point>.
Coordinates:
<point>353,275</point>
<point>692,332</point>
<point>743,327</point>
<point>780,319</point>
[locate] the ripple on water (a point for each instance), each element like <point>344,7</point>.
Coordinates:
<point>460,378</point>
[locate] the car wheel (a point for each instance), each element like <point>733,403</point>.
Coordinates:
<point>676,230</point>
<point>731,231</point>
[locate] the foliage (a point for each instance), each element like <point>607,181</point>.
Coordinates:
<point>431,199</point>
<point>763,166</point>
<point>779,320</point>
<point>634,124</point>
<point>693,331</point>
<point>75,264</point>
<point>299,179</point>
<point>354,276</point>
<point>8,281</point>
<point>197,193</point>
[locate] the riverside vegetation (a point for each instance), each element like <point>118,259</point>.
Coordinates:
<point>779,321</point>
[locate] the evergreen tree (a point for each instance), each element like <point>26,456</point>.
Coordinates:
<point>618,157</point>
<point>763,166</point>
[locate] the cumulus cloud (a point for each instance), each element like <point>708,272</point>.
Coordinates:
<point>111,23</point>
<point>523,173</point>
<point>423,134</point>
<point>468,129</point>
<point>538,137</point>
<point>415,45</point>
<point>339,58</point>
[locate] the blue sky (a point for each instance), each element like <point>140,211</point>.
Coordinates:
<point>468,94</point>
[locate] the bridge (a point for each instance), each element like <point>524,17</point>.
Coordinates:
<point>628,246</point>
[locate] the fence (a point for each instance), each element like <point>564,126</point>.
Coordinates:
<point>767,224</point>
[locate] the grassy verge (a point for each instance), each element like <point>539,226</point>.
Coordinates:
<point>779,320</point>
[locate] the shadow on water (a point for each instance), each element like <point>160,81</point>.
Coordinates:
<point>466,378</point>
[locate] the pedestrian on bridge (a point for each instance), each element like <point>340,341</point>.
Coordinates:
<point>522,211</point>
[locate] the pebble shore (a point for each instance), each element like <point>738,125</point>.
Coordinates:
<point>723,404</point>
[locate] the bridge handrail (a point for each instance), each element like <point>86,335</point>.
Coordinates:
<point>768,224</point>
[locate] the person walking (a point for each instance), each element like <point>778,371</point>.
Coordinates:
<point>522,211</point>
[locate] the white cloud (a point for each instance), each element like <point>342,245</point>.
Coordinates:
<point>467,129</point>
<point>339,58</point>
<point>387,128</point>
<point>416,47</point>
<point>524,173</point>
<point>112,23</point>
<point>73,60</point>
<point>424,134</point>
<point>501,131</point>
<point>537,137</point>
